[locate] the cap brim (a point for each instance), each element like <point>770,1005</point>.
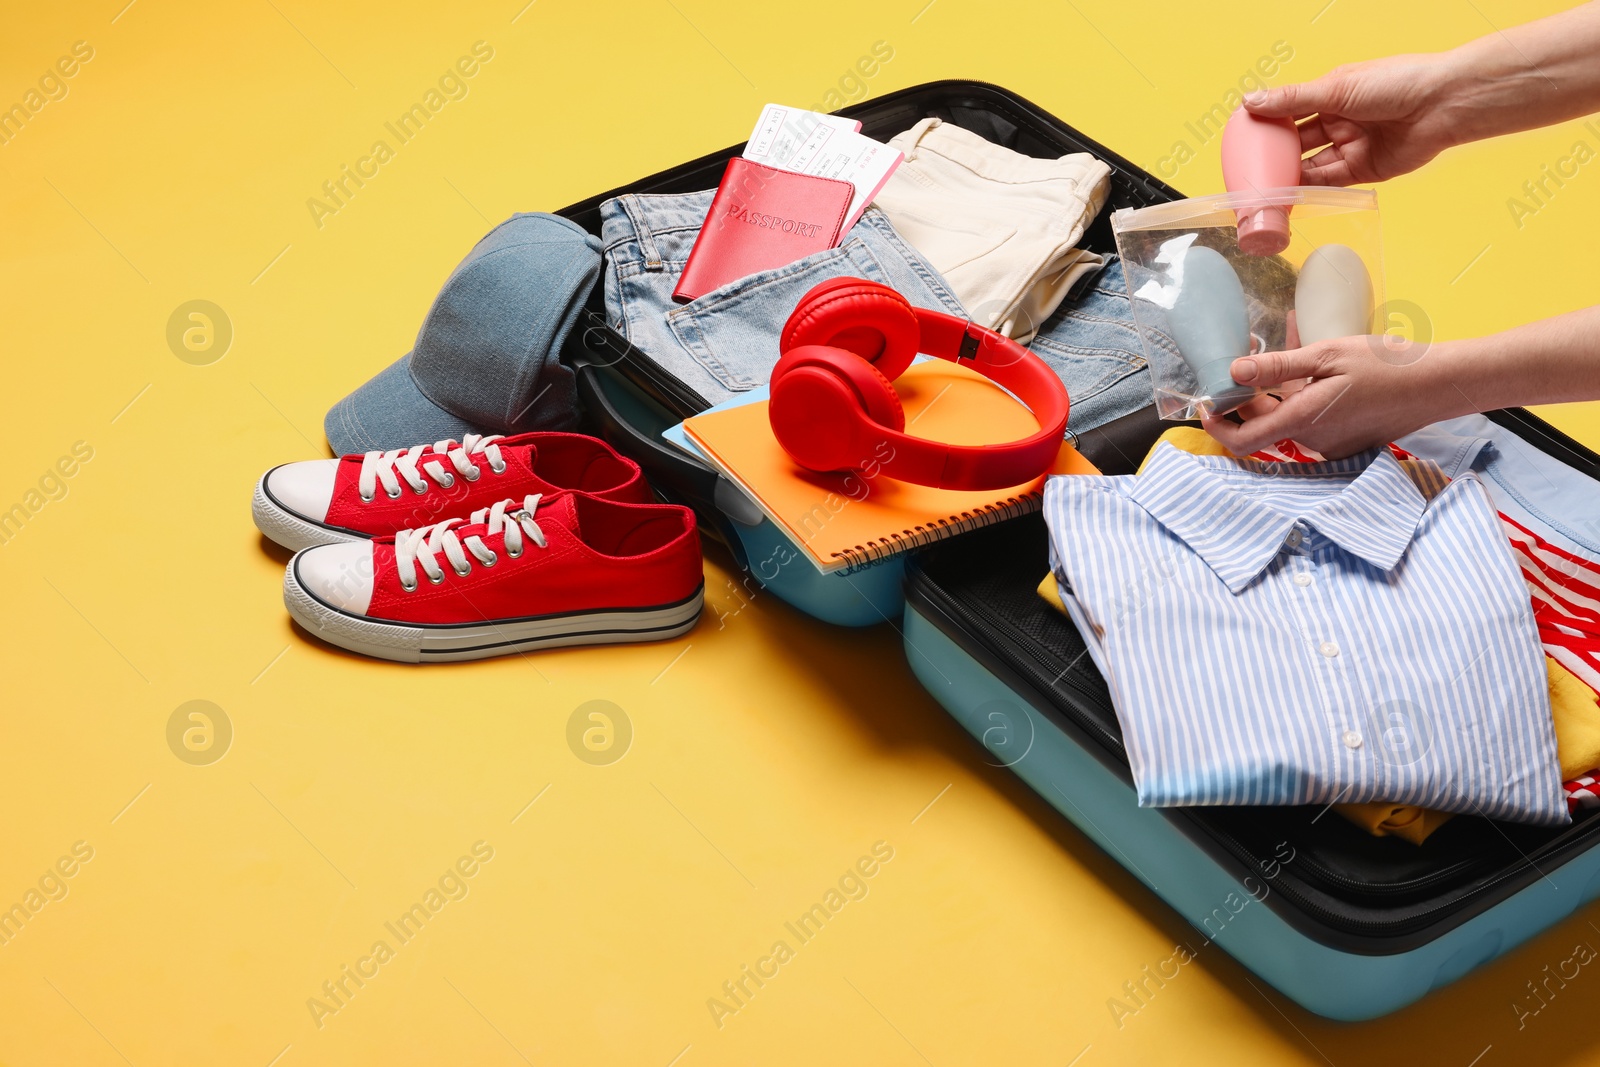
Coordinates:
<point>390,412</point>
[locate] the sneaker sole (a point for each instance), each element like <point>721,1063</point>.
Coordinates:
<point>292,531</point>
<point>454,642</point>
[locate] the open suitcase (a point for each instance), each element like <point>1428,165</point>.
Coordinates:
<point>1349,925</point>
<point>629,399</point>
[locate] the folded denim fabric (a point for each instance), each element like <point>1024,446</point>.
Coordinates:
<point>1002,227</point>
<point>726,341</point>
<point>1091,343</point>
<point>487,357</point>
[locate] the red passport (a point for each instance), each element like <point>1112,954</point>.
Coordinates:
<point>762,218</point>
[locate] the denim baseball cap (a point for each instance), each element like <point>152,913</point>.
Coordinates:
<point>486,358</point>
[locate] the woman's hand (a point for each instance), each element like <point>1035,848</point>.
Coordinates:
<point>1353,393</point>
<point>1371,121</point>
<point>1362,392</point>
<point>1366,122</point>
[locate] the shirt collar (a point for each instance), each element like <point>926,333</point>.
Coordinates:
<point>1374,517</point>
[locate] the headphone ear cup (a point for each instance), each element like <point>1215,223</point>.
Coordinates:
<point>872,320</point>
<point>824,403</point>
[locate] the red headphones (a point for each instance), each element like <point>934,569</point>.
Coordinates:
<point>832,407</point>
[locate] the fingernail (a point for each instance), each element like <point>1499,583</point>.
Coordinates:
<point>1256,97</point>
<point>1244,370</point>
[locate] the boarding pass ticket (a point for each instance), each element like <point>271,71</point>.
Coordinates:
<point>826,146</point>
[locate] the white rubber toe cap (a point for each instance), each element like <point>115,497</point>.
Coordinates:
<point>305,488</point>
<point>338,575</point>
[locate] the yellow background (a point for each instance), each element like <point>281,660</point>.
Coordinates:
<point>769,751</point>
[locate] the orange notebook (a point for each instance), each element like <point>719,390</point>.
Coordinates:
<point>846,521</point>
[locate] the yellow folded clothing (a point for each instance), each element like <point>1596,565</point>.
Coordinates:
<point>1577,720</point>
<point>1190,439</point>
<point>1383,819</point>
<point>1575,711</point>
<point>1052,593</point>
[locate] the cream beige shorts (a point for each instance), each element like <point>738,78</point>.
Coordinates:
<point>1000,226</point>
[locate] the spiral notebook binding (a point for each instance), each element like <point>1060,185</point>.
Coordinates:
<point>876,551</point>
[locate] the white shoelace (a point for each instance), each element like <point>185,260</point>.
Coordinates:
<point>422,546</point>
<point>389,467</point>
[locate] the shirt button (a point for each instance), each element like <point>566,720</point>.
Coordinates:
<point>1302,580</point>
<point>1329,649</point>
<point>1293,540</point>
<point>1351,739</point>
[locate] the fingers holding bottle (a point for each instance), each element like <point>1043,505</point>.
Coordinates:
<point>1365,122</point>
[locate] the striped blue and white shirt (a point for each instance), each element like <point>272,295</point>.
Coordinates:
<point>1289,633</point>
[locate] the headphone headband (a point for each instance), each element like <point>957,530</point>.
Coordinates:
<point>833,407</point>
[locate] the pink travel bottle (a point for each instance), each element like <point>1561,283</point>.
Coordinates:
<point>1257,154</point>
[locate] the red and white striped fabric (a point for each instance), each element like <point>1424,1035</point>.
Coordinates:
<point>1566,601</point>
<point>1583,793</point>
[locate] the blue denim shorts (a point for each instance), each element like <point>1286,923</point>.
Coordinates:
<point>1091,343</point>
<point>726,342</point>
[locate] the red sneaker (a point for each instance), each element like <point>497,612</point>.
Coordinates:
<point>328,501</point>
<point>572,569</point>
